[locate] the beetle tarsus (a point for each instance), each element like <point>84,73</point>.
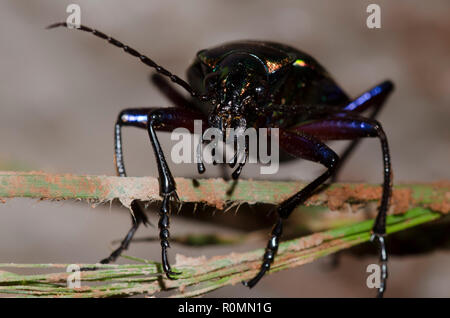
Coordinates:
<point>269,255</point>
<point>164,234</point>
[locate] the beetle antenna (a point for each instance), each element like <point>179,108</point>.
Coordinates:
<point>144,59</point>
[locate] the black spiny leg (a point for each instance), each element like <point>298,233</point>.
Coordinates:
<point>306,147</point>
<point>269,255</point>
<point>167,187</point>
<point>138,216</point>
<point>139,117</point>
<point>352,127</point>
<point>379,228</point>
<point>378,96</point>
<point>162,119</point>
<point>167,119</point>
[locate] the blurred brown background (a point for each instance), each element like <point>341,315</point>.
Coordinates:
<point>61,92</point>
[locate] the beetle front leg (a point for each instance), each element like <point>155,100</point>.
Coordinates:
<point>309,148</point>
<point>167,119</point>
<point>167,188</point>
<point>141,118</point>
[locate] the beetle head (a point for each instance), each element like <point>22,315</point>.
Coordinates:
<point>238,84</point>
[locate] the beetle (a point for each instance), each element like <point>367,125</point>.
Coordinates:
<point>257,84</point>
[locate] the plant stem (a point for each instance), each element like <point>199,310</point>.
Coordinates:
<point>412,204</point>
<point>199,275</point>
<point>341,196</point>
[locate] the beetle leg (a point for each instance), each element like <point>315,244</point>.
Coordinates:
<point>139,117</point>
<point>138,215</point>
<point>167,119</point>
<point>353,127</point>
<point>375,98</point>
<point>309,148</point>
<point>167,188</point>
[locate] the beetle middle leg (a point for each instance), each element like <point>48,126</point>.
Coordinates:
<point>153,119</point>
<point>300,142</point>
<point>309,148</point>
<point>138,215</point>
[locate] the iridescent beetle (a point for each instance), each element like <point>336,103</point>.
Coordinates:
<point>257,84</point>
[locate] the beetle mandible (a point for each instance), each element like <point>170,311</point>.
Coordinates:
<point>257,84</point>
